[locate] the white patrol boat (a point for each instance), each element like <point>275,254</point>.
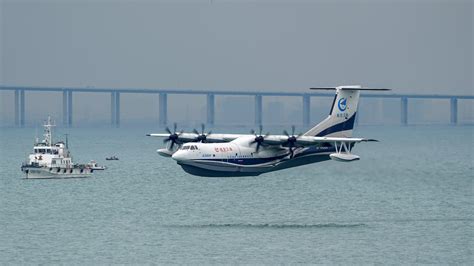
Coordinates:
<point>50,160</point>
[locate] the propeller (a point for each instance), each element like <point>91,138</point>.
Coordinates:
<point>201,136</point>
<point>291,140</point>
<point>259,138</point>
<point>173,137</point>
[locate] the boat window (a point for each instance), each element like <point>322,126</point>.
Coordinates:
<point>48,150</point>
<point>192,147</point>
<point>42,150</point>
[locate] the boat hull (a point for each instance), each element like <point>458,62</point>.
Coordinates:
<point>49,173</point>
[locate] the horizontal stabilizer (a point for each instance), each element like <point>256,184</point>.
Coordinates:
<point>327,89</point>
<point>351,88</point>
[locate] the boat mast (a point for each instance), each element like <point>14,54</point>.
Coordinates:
<point>48,137</point>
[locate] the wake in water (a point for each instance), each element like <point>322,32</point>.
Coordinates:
<point>267,225</point>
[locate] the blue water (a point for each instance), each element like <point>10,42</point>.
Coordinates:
<point>408,200</point>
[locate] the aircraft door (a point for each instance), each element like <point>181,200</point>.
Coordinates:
<point>234,153</point>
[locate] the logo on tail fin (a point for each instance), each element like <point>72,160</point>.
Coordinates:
<point>342,104</point>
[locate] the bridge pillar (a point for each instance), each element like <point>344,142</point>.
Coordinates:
<point>21,107</point>
<point>306,109</point>
<point>163,118</point>
<point>404,111</point>
<point>117,109</point>
<point>258,109</point>
<point>69,108</point>
<point>65,93</point>
<point>454,111</point>
<point>210,109</point>
<point>112,108</point>
<point>17,107</point>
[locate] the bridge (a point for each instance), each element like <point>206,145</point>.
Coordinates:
<point>115,94</point>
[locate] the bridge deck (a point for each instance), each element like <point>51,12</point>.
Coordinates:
<point>115,101</point>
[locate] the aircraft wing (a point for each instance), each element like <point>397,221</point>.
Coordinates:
<point>224,137</point>
<point>193,137</point>
<point>309,140</point>
<point>271,139</point>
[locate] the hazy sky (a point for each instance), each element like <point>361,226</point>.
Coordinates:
<point>411,46</point>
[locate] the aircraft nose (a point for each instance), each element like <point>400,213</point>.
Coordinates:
<point>178,156</point>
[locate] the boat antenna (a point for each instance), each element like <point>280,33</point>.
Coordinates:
<point>67,143</point>
<point>48,138</point>
<point>36,134</point>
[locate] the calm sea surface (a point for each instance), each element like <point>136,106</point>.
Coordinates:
<point>408,200</point>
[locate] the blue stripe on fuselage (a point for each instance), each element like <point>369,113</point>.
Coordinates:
<point>313,150</point>
<point>247,161</point>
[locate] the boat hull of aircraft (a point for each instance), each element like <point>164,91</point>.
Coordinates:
<point>232,169</point>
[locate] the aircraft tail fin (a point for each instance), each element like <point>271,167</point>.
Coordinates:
<point>341,119</point>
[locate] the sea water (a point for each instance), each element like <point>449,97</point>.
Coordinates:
<point>408,200</point>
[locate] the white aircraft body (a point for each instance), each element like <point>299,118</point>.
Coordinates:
<point>224,155</point>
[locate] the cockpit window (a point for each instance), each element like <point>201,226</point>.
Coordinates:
<point>190,147</point>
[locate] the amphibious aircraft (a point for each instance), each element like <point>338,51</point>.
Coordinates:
<point>224,155</point>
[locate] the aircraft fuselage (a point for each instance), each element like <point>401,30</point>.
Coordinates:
<point>235,159</point>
